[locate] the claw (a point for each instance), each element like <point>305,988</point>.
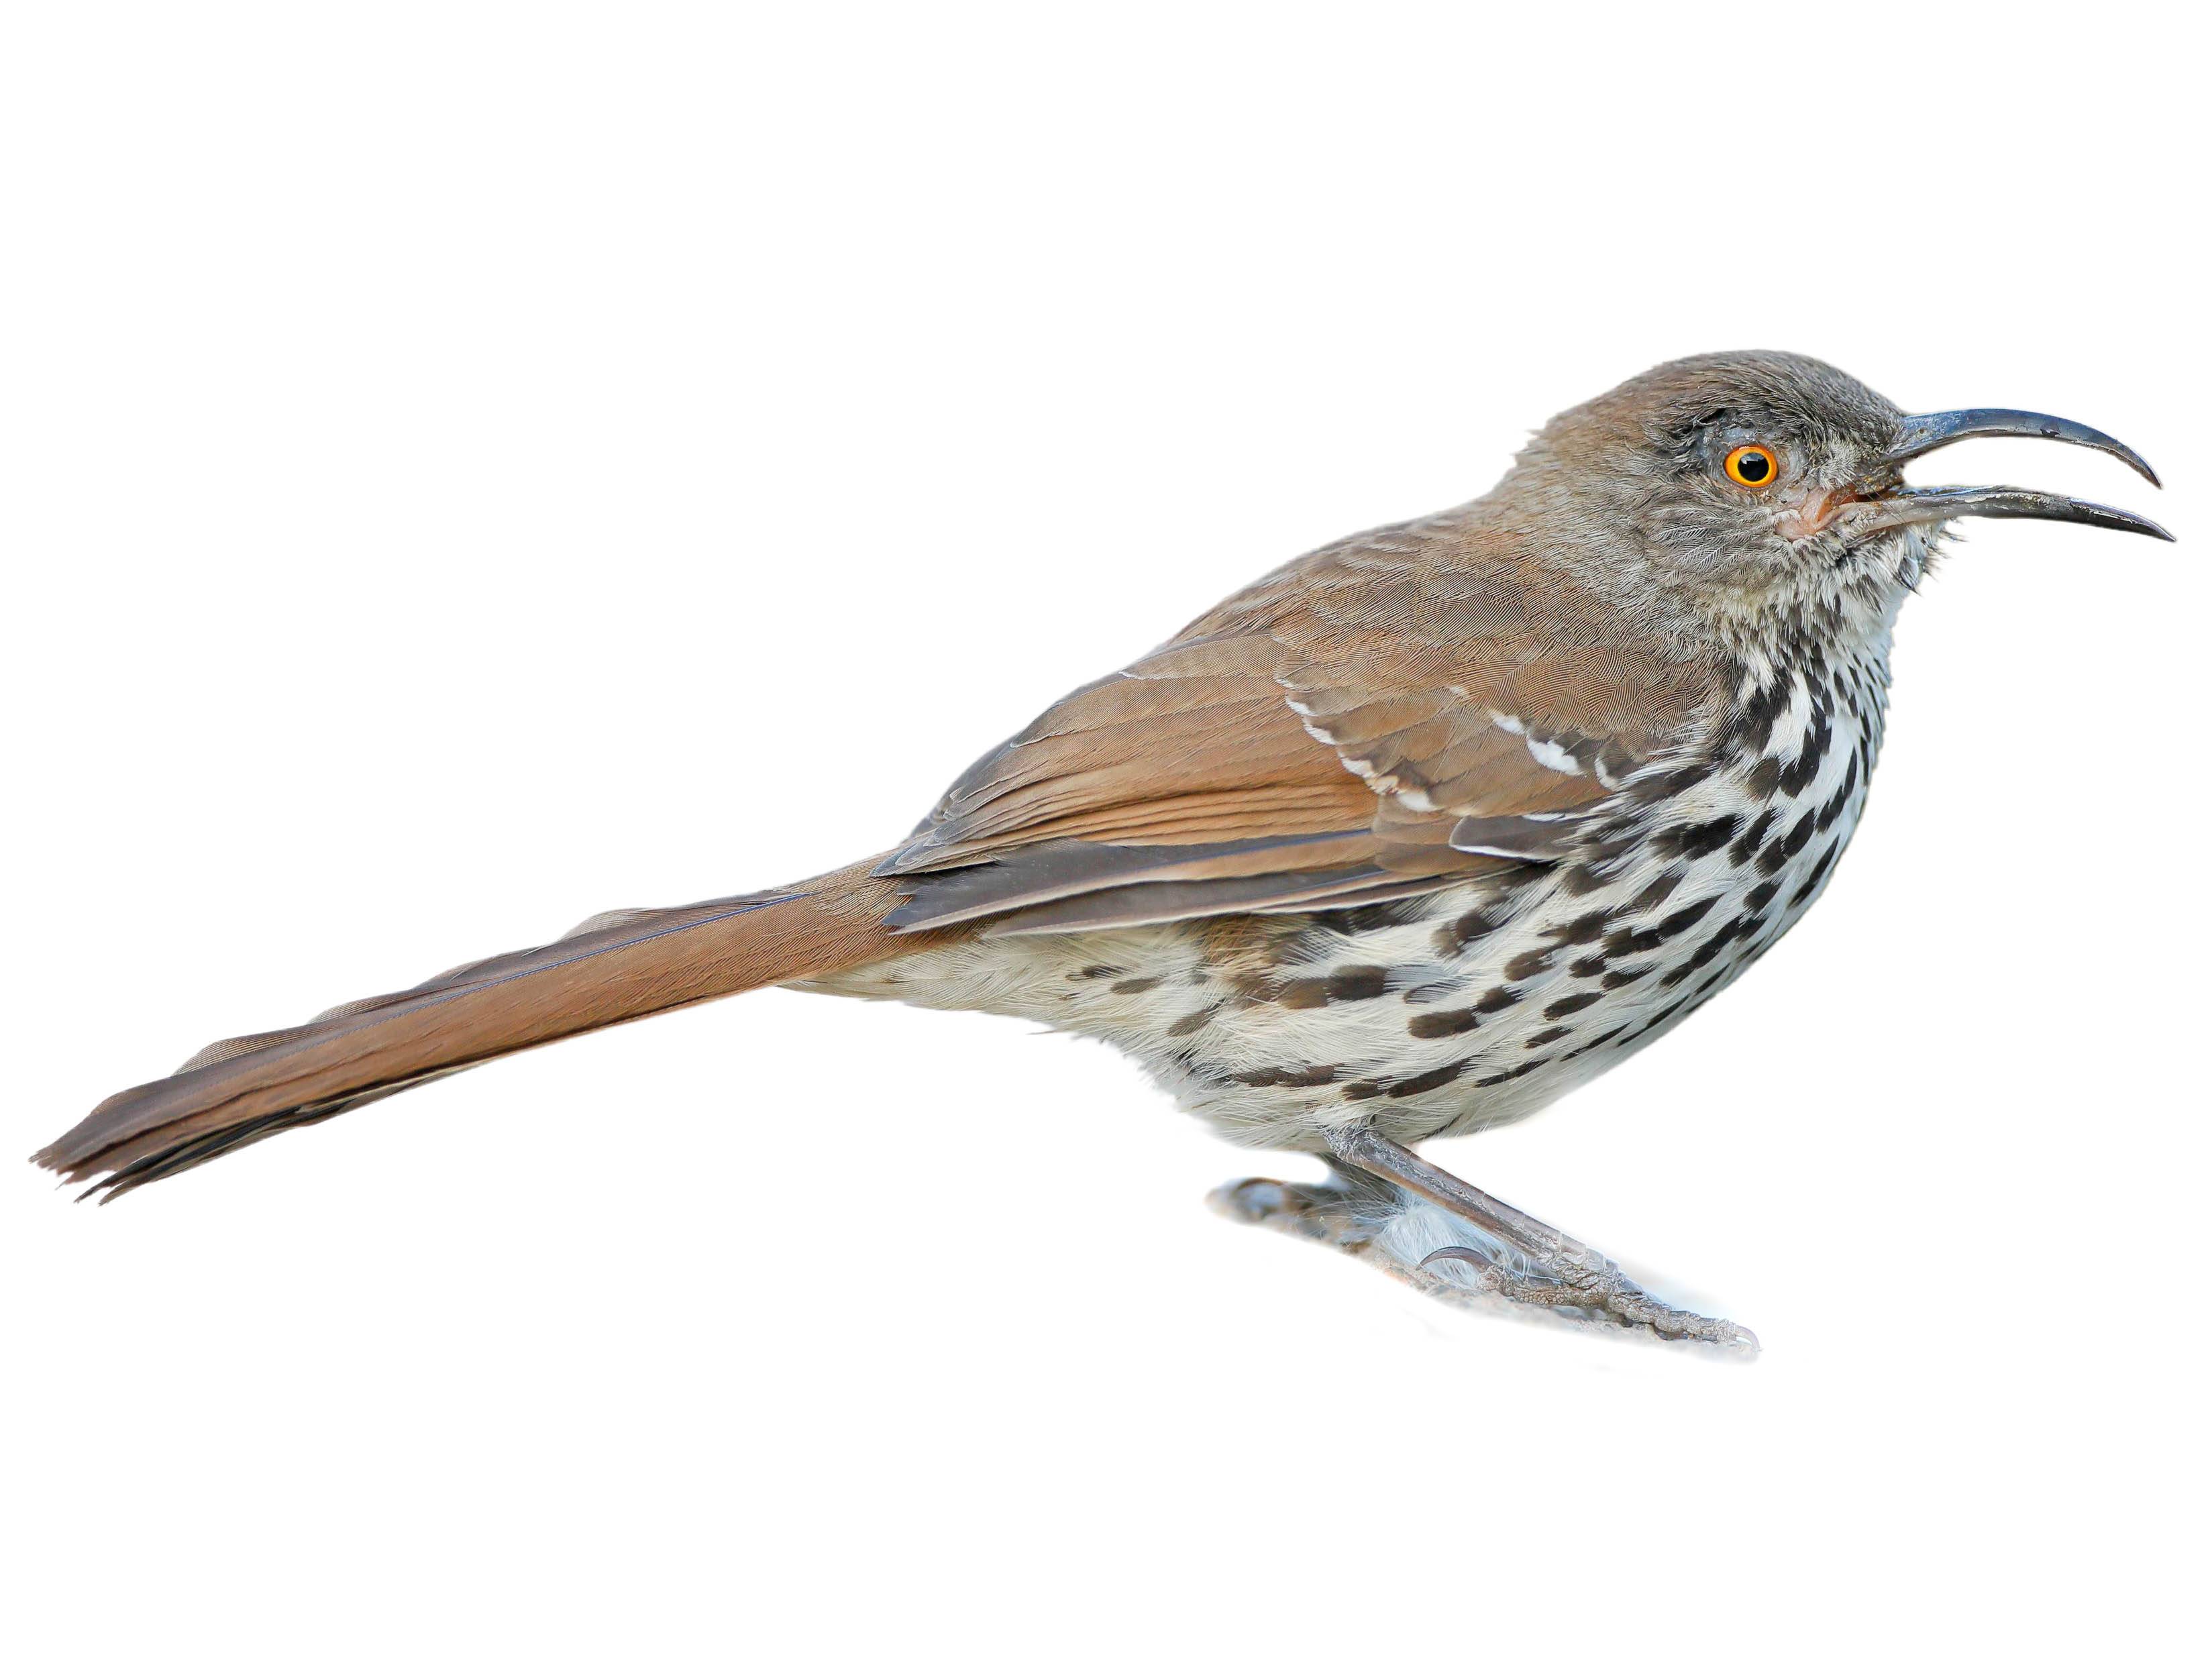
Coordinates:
<point>1517,1267</point>
<point>1488,1271</point>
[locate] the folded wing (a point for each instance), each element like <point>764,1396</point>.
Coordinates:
<point>1404,710</point>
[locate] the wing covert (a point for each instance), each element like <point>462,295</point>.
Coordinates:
<point>1391,713</point>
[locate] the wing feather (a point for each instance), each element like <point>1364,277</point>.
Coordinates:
<point>1413,707</point>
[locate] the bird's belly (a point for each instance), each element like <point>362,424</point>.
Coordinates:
<point>1449,1013</point>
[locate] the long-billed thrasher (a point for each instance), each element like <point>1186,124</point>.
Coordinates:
<point>1409,838</point>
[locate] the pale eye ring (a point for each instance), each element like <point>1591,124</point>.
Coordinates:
<point>1751,465</point>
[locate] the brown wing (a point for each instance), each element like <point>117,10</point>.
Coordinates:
<point>1393,713</point>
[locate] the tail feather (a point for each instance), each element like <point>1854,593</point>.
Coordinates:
<point>621,966</point>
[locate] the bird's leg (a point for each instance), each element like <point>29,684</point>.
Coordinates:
<point>1382,1202</point>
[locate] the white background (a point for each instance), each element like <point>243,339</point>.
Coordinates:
<point>466,467</point>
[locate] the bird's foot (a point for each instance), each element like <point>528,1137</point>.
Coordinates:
<point>1447,1256</point>
<point>1582,1284</point>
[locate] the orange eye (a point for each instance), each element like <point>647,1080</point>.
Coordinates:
<point>1751,466</point>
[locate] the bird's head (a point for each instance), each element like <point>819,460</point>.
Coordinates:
<point>1750,487</point>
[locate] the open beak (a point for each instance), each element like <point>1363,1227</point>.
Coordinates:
<point>1895,506</point>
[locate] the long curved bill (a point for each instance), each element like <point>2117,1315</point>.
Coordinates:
<point>1920,434</point>
<point>1923,433</point>
<point>1906,506</point>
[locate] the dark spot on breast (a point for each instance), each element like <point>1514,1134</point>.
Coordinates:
<point>1528,964</point>
<point>1833,807</point>
<point>1588,967</point>
<point>1760,896</point>
<point>1369,918</point>
<point>1667,785</point>
<point>1190,1022</point>
<point>1809,760</point>
<point>1572,1005</point>
<point>1620,976</point>
<point>1357,984</point>
<point>1748,842</point>
<point>1361,1090</point>
<point>1765,708</point>
<point>1096,971</point>
<point>1583,879</point>
<point>1765,776</point>
<point>1687,917</point>
<point>1819,872</point>
<point>1697,841</point>
<point>1512,1075</point>
<point>1453,1023</point>
<point>1704,953</point>
<point>1617,846</point>
<point>1455,936</point>
<point>1129,987</point>
<point>1583,928</point>
<point>1278,1077</point>
<point>1656,892</point>
<point>1633,941</point>
<point>1427,1080</point>
<point>1497,1000</point>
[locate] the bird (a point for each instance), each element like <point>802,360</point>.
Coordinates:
<point>1406,840</point>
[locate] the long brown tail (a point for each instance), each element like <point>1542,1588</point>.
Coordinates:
<point>621,966</point>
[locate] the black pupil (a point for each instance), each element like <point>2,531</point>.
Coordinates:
<point>1754,467</point>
